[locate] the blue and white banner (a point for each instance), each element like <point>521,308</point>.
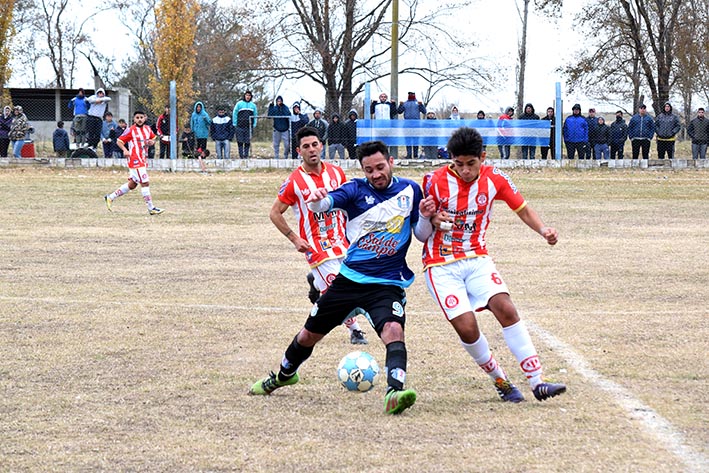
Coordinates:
<point>437,132</point>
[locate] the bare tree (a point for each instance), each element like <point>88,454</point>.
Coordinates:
<point>342,44</point>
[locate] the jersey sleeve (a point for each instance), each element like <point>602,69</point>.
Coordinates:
<point>286,193</point>
<point>507,191</point>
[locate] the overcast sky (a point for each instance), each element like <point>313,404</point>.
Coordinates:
<point>495,25</point>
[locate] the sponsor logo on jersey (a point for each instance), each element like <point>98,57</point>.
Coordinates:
<point>403,201</point>
<point>445,250</point>
<point>451,302</point>
<point>325,245</point>
<point>395,224</point>
<point>369,200</point>
<point>379,245</point>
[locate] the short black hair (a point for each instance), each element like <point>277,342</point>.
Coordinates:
<point>60,124</point>
<point>700,109</point>
<point>139,112</point>
<point>306,131</point>
<point>372,147</point>
<point>465,141</point>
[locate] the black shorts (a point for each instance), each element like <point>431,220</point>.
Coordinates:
<point>382,303</point>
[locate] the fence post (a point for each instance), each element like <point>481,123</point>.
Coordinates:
<point>558,115</point>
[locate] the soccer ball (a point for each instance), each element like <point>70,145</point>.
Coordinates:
<point>358,371</point>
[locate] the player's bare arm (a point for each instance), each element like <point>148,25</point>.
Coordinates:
<point>534,221</point>
<point>276,216</point>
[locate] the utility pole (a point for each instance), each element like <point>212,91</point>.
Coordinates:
<point>394,93</point>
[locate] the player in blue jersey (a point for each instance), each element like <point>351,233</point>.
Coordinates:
<point>382,211</point>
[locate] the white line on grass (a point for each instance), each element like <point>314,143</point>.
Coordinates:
<point>654,424</point>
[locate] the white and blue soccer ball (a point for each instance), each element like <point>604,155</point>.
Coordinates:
<point>358,371</point>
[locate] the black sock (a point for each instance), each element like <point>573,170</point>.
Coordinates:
<point>295,355</point>
<point>396,365</point>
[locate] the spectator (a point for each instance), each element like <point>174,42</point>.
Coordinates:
<point>162,129</point>
<point>188,141</point>
<point>200,123</point>
<point>430,152</point>
<point>481,115</point>
<point>336,137</point>
<point>601,137</point>
<point>385,109</point>
<point>641,129</point>
<point>320,124</point>
<point>98,106</point>
<point>698,131</point>
<point>19,130</point>
<point>222,131</point>
<point>351,135</point>
<point>528,151</point>
<point>281,126</point>
<point>618,135</point>
<point>297,121</point>
<point>108,134</point>
<point>244,119</point>
<point>552,139</point>
<point>454,113</point>
<point>501,125</point>
<point>667,126</point>
<point>5,125</point>
<point>60,141</point>
<point>412,110</point>
<point>592,124</point>
<point>575,132</point>
<point>122,126</point>
<point>80,108</point>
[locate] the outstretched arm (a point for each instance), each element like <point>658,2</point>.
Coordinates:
<point>534,221</point>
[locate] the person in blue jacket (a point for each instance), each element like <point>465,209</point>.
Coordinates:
<point>641,129</point>
<point>200,124</point>
<point>575,132</point>
<point>281,126</point>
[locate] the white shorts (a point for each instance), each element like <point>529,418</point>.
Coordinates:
<point>325,272</point>
<point>465,285</point>
<point>138,175</point>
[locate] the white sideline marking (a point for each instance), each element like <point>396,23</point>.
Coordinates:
<point>654,424</point>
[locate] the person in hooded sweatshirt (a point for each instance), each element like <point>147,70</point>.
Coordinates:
<point>551,118</point>
<point>666,128</point>
<point>618,135</point>
<point>281,126</point>
<point>351,126</point>
<point>601,137</point>
<point>320,124</point>
<point>297,121</point>
<point>528,151</point>
<point>5,125</point>
<point>98,105</point>
<point>200,124</point>
<point>336,137</point>
<point>412,110</point>
<point>454,113</point>
<point>244,119</point>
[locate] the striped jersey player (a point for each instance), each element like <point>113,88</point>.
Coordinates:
<point>134,142</point>
<point>320,235</point>
<point>460,275</point>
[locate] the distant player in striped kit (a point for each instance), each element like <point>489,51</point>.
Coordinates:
<point>320,237</point>
<point>137,138</point>
<point>460,275</point>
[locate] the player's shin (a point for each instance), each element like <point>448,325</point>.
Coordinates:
<point>480,352</point>
<point>295,355</point>
<point>521,346</point>
<point>396,365</point>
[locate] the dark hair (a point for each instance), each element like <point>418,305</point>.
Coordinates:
<point>465,141</point>
<point>306,131</point>
<point>139,112</point>
<point>372,147</point>
<point>60,124</point>
<point>700,109</point>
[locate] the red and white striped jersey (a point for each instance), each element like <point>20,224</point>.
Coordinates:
<point>136,139</point>
<point>470,205</point>
<point>324,231</point>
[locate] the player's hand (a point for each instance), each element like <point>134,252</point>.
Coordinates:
<point>150,142</point>
<point>442,221</point>
<point>427,207</point>
<point>318,194</point>
<point>550,235</point>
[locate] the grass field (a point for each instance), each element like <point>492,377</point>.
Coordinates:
<point>128,342</point>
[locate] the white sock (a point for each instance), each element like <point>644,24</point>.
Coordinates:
<point>124,189</point>
<point>147,197</point>
<point>480,352</point>
<point>352,324</point>
<point>521,346</point>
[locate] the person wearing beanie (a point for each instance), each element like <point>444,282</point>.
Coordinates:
<point>412,110</point>
<point>244,119</point>
<point>575,133</point>
<point>297,121</point>
<point>618,135</point>
<point>666,127</point>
